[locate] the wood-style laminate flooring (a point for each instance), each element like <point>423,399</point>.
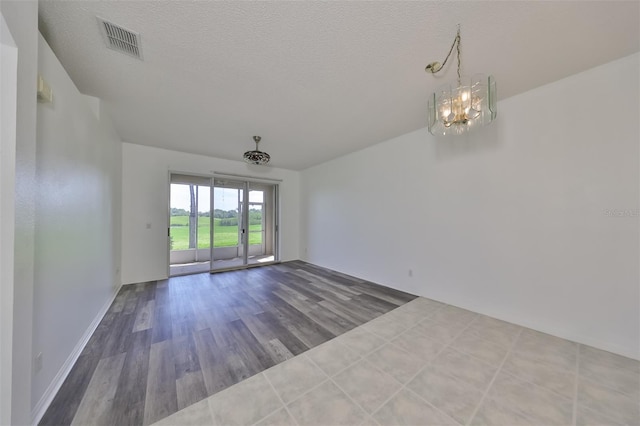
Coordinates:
<point>165,345</point>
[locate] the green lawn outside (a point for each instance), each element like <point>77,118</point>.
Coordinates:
<point>225,236</point>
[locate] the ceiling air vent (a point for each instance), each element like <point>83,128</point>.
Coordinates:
<point>120,39</point>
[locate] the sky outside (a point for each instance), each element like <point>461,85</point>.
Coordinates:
<point>224,198</point>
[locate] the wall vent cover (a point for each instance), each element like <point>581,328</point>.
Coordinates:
<point>120,39</point>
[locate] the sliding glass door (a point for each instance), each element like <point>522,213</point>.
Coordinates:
<point>228,224</point>
<point>189,224</point>
<point>218,223</point>
<point>244,225</point>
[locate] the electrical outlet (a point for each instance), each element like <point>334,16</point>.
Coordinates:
<point>411,272</point>
<point>37,362</point>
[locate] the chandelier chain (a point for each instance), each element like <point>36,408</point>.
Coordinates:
<point>456,44</point>
<point>458,48</point>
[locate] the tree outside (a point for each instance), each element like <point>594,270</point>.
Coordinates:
<point>225,228</point>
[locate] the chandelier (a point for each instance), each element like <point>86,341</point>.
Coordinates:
<point>256,156</point>
<point>467,103</point>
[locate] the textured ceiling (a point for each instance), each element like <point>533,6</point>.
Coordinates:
<point>316,80</point>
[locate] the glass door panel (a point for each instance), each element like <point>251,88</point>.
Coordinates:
<point>261,223</point>
<point>179,228</point>
<point>228,237</point>
<point>204,214</point>
<point>256,225</point>
<point>189,201</point>
<point>244,228</point>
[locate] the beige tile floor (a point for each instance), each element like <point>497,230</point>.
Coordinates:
<point>427,363</point>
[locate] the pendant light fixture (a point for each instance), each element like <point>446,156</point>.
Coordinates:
<point>256,157</point>
<point>459,107</point>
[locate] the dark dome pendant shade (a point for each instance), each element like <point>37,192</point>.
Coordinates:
<point>256,157</point>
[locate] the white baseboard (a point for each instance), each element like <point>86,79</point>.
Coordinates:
<point>53,388</point>
<point>563,333</point>
<point>557,330</point>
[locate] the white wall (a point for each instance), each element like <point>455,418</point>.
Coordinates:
<point>145,200</point>
<point>510,221</point>
<point>77,240</point>
<point>8,86</point>
<point>22,20</point>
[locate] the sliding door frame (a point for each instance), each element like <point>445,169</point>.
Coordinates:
<point>168,234</point>
<point>244,236</point>
<point>247,180</point>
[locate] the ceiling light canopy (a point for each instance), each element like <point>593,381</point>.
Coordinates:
<point>467,103</point>
<point>256,157</point>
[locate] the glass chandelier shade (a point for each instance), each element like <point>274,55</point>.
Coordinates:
<point>459,107</point>
<point>257,157</point>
